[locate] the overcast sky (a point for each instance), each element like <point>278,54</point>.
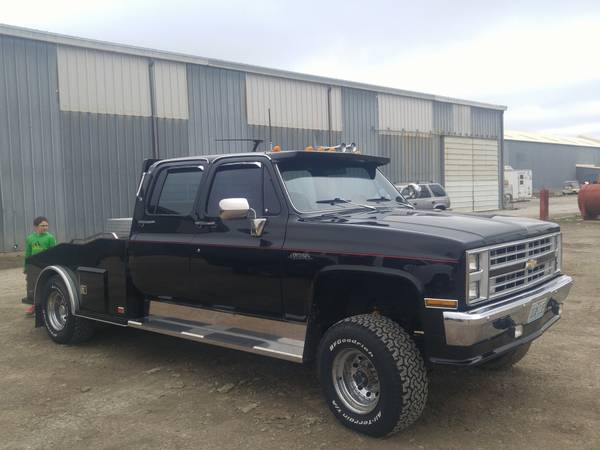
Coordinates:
<point>539,58</point>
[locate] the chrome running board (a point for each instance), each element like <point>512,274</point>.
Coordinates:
<point>278,339</point>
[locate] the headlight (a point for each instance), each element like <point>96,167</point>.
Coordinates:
<point>474,262</point>
<point>558,253</point>
<point>477,275</point>
<point>474,290</point>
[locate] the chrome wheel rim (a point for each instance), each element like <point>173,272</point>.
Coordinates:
<point>356,381</point>
<point>57,310</point>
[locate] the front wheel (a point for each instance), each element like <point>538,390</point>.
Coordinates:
<point>62,326</point>
<point>372,375</point>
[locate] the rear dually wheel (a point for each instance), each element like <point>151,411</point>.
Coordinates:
<point>62,326</point>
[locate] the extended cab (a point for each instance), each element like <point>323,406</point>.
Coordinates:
<point>312,256</point>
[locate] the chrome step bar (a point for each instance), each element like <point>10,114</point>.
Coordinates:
<point>278,339</point>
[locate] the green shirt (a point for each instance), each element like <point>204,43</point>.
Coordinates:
<point>37,243</point>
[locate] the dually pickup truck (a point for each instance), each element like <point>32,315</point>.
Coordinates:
<point>312,256</point>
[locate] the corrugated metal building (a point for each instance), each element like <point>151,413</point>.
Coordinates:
<point>552,159</point>
<point>77,117</point>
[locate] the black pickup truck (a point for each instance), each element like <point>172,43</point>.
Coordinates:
<point>312,256</point>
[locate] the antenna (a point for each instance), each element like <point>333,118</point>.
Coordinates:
<point>270,132</point>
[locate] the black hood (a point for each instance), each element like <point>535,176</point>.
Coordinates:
<point>472,230</point>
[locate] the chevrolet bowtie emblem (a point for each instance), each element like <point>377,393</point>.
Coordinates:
<point>531,264</point>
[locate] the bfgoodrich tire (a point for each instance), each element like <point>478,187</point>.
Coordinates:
<point>507,360</point>
<point>372,375</point>
<point>62,326</point>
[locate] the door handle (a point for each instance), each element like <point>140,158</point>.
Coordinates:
<point>146,222</point>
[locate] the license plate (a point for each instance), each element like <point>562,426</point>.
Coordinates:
<point>537,310</point>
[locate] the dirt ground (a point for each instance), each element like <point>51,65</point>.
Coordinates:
<point>559,206</point>
<point>129,389</point>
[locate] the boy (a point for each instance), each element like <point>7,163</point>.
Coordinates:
<point>37,242</point>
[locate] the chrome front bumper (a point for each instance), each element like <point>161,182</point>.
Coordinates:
<point>469,328</point>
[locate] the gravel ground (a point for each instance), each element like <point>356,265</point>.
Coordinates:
<point>127,388</point>
<point>558,207</point>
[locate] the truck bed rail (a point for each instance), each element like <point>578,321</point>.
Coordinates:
<point>93,237</point>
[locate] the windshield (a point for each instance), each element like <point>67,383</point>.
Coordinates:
<point>337,186</point>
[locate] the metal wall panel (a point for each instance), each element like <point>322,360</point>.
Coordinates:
<point>404,114</point>
<point>102,158</point>
<point>31,180</point>
<point>443,122</point>
<point>293,104</point>
<point>171,96</point>
<point>217,110</point>
<point>486,123</point>
<point>551,164</point>
<point>461,116</point>
<point>103,82</point>
<point>413,158</point>
<point>173,138</point>
<point>359,111</point>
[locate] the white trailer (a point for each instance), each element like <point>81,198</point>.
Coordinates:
<point>518,184</point>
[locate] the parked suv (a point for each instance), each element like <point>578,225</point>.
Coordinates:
<point>425,195</point>
<point>571,187</point>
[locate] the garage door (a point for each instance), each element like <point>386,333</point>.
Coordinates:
<point>471,173</point>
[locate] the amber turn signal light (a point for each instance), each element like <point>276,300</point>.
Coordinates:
<point>441,303</point>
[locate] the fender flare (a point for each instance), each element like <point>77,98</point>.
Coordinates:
<point>396,273</point>
<point>312,338</point>
<point>67,277</point>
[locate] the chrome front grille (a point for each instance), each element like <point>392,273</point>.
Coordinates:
<point>516,266</point>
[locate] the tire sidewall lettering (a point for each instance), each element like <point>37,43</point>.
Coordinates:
<point>356,420</point>
<point>351,341</point>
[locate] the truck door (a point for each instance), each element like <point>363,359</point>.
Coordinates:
<point>231,269</point>
<point>160,246</point>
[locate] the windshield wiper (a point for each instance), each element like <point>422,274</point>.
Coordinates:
<point>385,199</point>
<point>334,201</point>
<point>379,199</point>
<point>338,201</point>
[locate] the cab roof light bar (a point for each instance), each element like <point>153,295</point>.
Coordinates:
<point>342,148</point>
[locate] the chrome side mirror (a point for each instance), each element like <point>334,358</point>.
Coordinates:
<point>233,208</point>
<point>239,208</point>
<point>257,226</point>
